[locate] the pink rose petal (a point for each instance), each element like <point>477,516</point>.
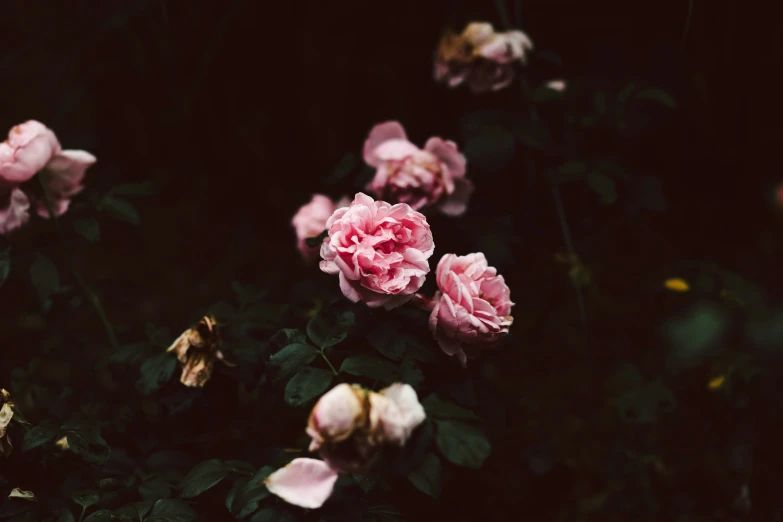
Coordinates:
<point>304,482</point>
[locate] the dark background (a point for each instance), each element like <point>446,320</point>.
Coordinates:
<point>238,110</point>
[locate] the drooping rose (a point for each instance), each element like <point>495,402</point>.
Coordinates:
<point>6,414</point>
<point>379,250</point>
<point>310,220</point>
<point>303,482</point>
<point>472,309</point>
<point>62,179</point>
<point>350,425</point>
<point>430,178</point>
<point>14,210</point>
<point>480,57</point>
<point>27,150</point>
<point>197,349</point>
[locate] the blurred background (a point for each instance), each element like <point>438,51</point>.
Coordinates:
<point>237,111</point>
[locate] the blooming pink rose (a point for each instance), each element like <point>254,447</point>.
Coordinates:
<point>27,150</point>
<point>472,308</point>
<point>62,178</point>
<point>306,483</point>
<point>433,177</point>
<point>480,57</point>
<point>379,250</point>
<point>310,220</point>
<point>14,212</point>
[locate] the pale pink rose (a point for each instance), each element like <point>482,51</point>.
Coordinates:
<point>310,220</point>
<point>379,250</point>
<point>336,415</point>
<point>480,57</point>
<point>306,483</point>
<point>472,307</point>
<point>27,150</point>
<point>14,211</point>
<point>556,85</point>
<point>430,178</point>
<point>62,178</point>
<point>398,411</point>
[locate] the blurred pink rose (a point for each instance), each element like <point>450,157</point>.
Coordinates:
<point>14,208</point>
<point>556,85</point>
<point>480,57</point>
<point>379,250</point>
<point>350,425</point>
<point>27,150</point>
<point>306,483</point>
<point>32,148</point>
<point>472,308</point>
<point>433,177</point>
<point>310,220</point>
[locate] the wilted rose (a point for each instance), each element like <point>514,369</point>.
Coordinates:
<point>310,220</point>
<point>62,179</point>
<point>6,414</point>
<point>350,425</point>
<point>472,307</point>
<point>480,57</point>
<point>430,178</point>
<point>379,250</point>
<point>197,350</point>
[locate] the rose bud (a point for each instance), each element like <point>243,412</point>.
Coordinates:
<point>430,178</point>
<point>472,307</point>
<point>310,220</point>
<point>197,349</point>
<point>379,250</point>
<point>480,57</point>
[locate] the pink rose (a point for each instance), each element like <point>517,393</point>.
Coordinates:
<point>350,425</point>
<point>310,220</point>
<point>472,308</point>
<point>14,212</point>
<point>433,177</point>
<point>480,57</point>
<point>27,150</point>
<point>379,250</point>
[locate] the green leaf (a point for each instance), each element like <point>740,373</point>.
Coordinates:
<point>440,409</point>
<point>65,516</point>
<point>136,511</point>
<point>5,265</point>
<point>387,513</point>
<point>202,477</point>
<point>411,373</point>
<point>372,367</point>
<point>128,354</point>
<point>427,477</point>
<point>288,336</point>
<point>603,185</point>
<point>748,294</point>
<point>88,228</point>
<point>306,385</point>
<point>38,436</point>
<point>171,511</point>
<point>106,515</point>
<point>313,242</point>
<point>693,334</point>
<point>490,149</point>
<point>119,209</point>
<point>85,440</point>
<point>290,359</point>
<point>155,372</point>
<point>45,278</point>
<point>643,404</point>
<point>274,514</point>
<point>462,444</point>
<point>133,189</point>
<point>247,293</point>
<point>347,163</point>
<point>420,351</point>
<point>86,498</point>
<point>657,95</point>
<point>158,335</point>
<point>388,343</point>
<point>245,494</point>
<point>328,327</point>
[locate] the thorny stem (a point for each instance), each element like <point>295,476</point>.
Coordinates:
<point>321,351</point>
<point>92,298</point>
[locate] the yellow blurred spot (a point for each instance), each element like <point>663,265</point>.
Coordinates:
<point>716,382</point>
<point>676,284</point>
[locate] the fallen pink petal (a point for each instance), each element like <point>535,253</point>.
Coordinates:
<point>306,483</point>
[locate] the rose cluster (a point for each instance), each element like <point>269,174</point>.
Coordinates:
<point>32,148</point>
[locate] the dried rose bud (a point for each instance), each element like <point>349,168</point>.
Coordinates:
<point>197,349</point>
<point>6,414</point>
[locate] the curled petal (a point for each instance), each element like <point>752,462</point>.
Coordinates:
<point>304,482</point>
<point>16,213</point>
<point>379,135</point>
